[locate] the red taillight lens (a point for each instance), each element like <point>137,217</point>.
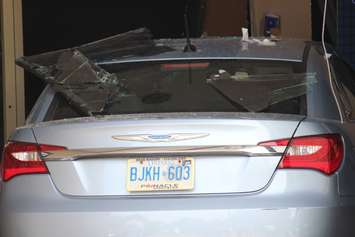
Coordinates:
<point>24,158</point>
<point>323,153</point>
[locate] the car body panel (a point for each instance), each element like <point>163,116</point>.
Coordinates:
<point>286,208</point>
<point>232,173</point>
<point>81,197</point>
<point>223,48</point>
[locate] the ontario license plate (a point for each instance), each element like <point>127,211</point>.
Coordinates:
<point>160,174</point>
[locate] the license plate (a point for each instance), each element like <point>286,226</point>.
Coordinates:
<point>160,174</point>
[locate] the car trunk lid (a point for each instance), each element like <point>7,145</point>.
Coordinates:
<point>223,147</point>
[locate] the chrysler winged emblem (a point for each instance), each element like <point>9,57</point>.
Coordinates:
<point>173,137</point>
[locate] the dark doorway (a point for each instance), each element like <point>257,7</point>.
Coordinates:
<point>51,25</point>
<point>331,23</point>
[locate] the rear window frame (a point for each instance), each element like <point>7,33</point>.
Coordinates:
<point>299,64</point>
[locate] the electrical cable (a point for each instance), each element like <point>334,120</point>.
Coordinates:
<point>327,56</point>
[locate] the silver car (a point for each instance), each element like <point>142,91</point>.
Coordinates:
<point>144,139</point>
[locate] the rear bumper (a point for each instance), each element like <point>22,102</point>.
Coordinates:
<point>31,206</point>
<point>273,223</point>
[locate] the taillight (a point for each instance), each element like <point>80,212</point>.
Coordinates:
<point>323,153</point>
<point>24,158</point>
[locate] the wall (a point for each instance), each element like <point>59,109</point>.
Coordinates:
<point>295,17</point>
<point>1,95</point>
<point>12,75</point>
<point>1,105</point>
<point>225,17</point>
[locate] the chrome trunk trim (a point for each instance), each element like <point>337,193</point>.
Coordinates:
<point>239,151</point>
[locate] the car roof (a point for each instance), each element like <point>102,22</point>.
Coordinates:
<point>224,48</point>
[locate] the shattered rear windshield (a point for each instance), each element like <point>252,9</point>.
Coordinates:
<point>258,86</point>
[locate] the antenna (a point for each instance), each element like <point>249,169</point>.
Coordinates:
<point>189,47</point>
